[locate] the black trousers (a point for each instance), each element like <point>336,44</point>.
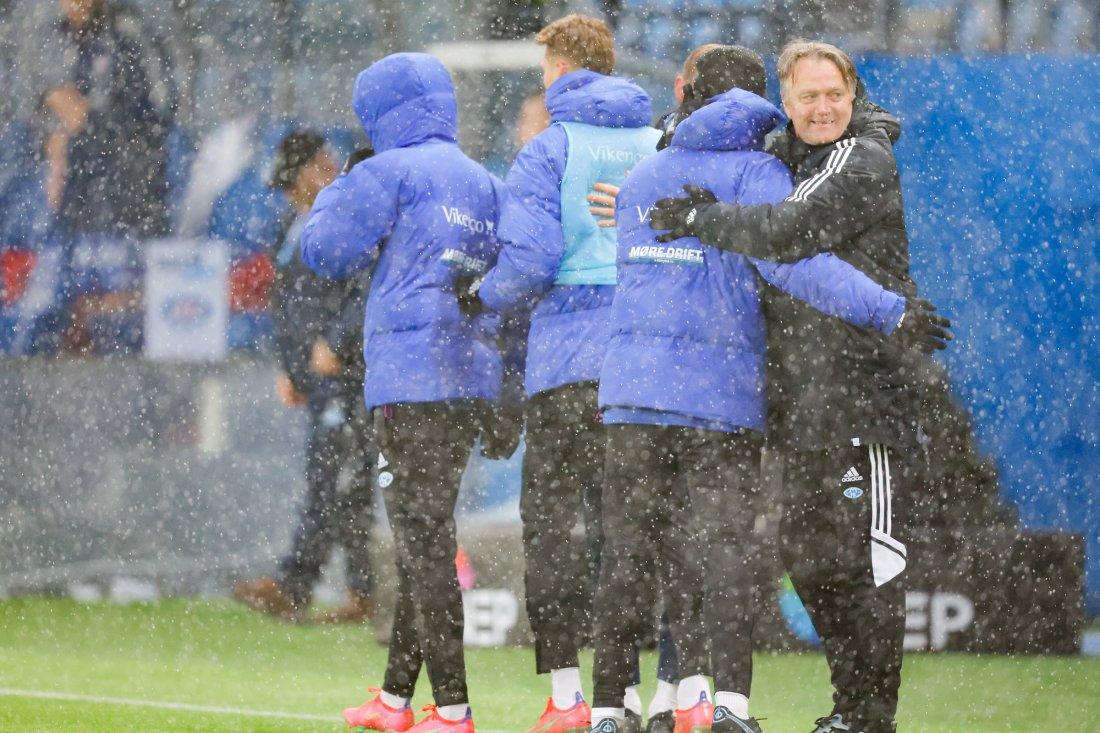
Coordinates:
<point>424,449</point>
<point>842,538</point>
<point>722,472</point>
<point>563,471</point>
<point>339,505</point>
<point>652,472</point>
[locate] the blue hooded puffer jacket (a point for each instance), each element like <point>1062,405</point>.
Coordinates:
<point>689,341</point>
<point>570,324</point>
<point>422,214</point>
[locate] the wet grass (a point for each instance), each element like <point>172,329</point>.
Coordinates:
<point>213,654</point>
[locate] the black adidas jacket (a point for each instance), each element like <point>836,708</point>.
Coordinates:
<point>830,382</point>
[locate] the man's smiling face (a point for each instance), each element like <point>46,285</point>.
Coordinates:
<point>818,101</point>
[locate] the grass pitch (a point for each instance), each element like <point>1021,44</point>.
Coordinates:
<point>209,665</point>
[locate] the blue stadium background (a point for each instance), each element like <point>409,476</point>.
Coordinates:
<point>1000,159</point>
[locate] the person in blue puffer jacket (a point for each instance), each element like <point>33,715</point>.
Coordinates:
<point>558,265</point>
<point>423,216</point>
<point>682,387</point>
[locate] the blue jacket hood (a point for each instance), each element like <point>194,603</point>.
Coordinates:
<point>406,99</point>
<point>734,120</point>
<point>594,99</point>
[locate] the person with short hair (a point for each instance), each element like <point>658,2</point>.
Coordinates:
<point>668,121</point>
<point>558,265</point>
<point>844,403</point>
<point>307,311</point>
<point>682,385</point>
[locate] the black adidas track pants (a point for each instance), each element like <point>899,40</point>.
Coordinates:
<point>842,539</point>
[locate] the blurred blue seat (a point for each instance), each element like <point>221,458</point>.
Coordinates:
<point>663,38</point>
<point>706,29</point>
<point>715,6</point>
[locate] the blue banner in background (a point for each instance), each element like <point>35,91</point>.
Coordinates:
<point>1000,161</point>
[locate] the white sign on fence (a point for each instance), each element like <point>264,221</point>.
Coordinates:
<point>186,300</point>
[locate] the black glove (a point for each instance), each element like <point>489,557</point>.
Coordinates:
<point>501,428</point>
<point>355,158</point>
<point>469,304</point>
<point>680,214</point>
<point>921,329</point>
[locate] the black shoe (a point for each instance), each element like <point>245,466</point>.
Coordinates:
<point>727,722</point>
<point>632,724</point>
<point>661,722</point>
<point>607,725</point>
<point>831,724</point>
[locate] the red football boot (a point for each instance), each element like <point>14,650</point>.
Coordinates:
<point>575,719</point>
<point>696,719</point>
<point>435,724</point>
<point>377,715</point>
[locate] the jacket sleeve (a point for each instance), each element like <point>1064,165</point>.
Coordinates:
<point>530,226</point>
<point>850,194</point>
<point>299,318</point>
<point>836,288</point>
<point>345,331</point>
<point>350,219</point>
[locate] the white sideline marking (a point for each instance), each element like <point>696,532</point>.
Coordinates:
<point>163,705</point>
<point>8,692</point>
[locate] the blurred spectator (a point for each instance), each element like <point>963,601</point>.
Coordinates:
<point>511,19</point>
<point>318,331</point>
<point>30,257</point>
<point>110,105</point>
<point>937,26</point>
<point>532,119</point>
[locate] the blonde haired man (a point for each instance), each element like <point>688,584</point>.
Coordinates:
<point>576,42</point>
<point>843,402</point>
<point>558,265</point>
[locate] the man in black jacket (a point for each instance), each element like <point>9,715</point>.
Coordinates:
<point>843,402</point>
<point>318,339</point>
